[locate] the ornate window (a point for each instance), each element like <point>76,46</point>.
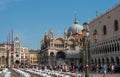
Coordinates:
<point>116,25</point>
<point>118,46</point>
<point>104,30</point>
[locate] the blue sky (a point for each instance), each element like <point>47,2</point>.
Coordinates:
<point>31,18</point>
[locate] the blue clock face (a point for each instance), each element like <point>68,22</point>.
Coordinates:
<point>17,55</point>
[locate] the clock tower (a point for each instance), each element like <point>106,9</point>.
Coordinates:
<point>16,52</point>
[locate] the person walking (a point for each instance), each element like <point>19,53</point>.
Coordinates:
<point>112,69</point>
<point>104,70</point>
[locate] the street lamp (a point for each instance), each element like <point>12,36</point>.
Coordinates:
<point>86,48</point>
<point>86,57</point>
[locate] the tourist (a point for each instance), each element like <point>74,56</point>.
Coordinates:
<point>112,69</point>
<point>104,70</point>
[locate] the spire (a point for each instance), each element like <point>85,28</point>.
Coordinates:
<point>16,38</point>
<point>65,32</point>
<point>12,36</point>
<point>76,21</point>
<point>51,33</point>
<point>51,30</point>
<point>45,33</point>
<point>96,13</point>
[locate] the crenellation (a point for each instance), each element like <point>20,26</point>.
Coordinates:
<point>106,12</point>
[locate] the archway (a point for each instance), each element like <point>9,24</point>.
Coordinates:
<point>17,62</point>
<point>95,61</point>
<point>117,60</point>
<point>112,60</point>
<point>60,56</point>
<point>107,61</point>
<point>51,54</point>
<point>103,61</point>
<point>104,30</point>
<point>116,25</point>
<point>99,62</point>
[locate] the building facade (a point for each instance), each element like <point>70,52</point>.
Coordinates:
<point>21,54</point>
<point>24,56</point>
<point>105,37</point>
<point>57,50</point>
<point>13,55</point>
<point>3,55</point>
<point>33,58</point>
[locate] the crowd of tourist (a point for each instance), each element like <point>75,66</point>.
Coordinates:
<point>113,68</point>
<point>92,68</point>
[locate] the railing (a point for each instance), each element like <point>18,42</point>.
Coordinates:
<point>48,73</point>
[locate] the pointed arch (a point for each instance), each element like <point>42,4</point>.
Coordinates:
<point>59,42</point>
<point>104,30</point>
<point>103,61</point>
<point>107,60</point>
<point>99,62</point>
<point>118,46</point>
<point>112,60</point>
<point>95,61</point>
<point>117,60</point>
<point>95,32</point>
<point>60,39</point>
<point>116,25</point>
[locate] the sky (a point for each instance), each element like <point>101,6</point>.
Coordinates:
<point>29,19</point>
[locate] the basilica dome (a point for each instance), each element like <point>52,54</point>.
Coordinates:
<point>75,28</point>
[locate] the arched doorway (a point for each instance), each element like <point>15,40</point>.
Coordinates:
<point>99,62</point>
<point>117,60</point>
<point>103,61</point>
<point>51,54</point>
<point>95,61</point>
<point>112,60</point>
<point>17,62</point>
<point>107,61</point>
<point>60,58</point>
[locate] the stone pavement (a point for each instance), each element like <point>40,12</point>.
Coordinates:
<point>107,75</point>
<point>14,74</point>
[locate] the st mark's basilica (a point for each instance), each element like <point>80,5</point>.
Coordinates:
<point>58,50</point>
